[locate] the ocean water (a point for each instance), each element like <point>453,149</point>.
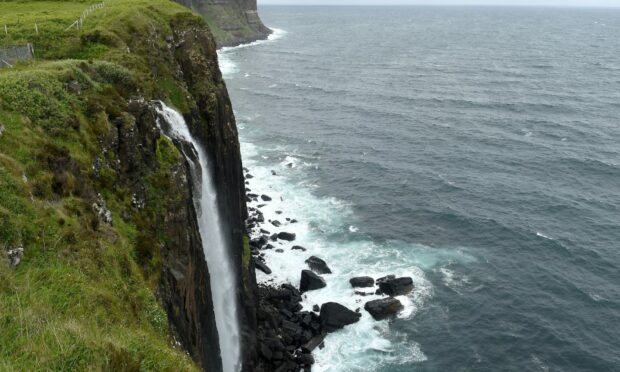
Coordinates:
<point>476,150</point>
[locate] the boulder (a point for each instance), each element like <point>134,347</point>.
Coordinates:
<point>383,279</point>
<point>262,267</point>
<point>306,359</point>
<point>310,281</point>
<point>276,223</point>
<point>396,286</point>
<point>318,265</point>
<point>286,236</point>
<point>335,316</point>
<point>383,308</point>
<point>298,248</point>
<point>362,282</point>
<point>265,197</point>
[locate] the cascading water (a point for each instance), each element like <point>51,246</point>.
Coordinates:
<point>214,244</point>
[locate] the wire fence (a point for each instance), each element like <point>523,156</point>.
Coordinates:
<point>78,24</point>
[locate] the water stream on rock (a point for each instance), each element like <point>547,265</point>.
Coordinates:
<point>214,243</point>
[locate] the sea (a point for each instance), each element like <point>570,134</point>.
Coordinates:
<point>474,149</point>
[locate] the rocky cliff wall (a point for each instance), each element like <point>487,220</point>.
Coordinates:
<point>90,184</point>
<point>232,22</point>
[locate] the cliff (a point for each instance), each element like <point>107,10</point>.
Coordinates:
<point>232,22</point>
<point>101,262</point>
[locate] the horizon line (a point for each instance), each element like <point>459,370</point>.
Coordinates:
<point>557,6</point>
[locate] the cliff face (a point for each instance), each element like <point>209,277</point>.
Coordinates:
<point>232,22</point>
<point>100,202</point>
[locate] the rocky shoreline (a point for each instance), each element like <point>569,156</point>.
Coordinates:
<point>287,333</point>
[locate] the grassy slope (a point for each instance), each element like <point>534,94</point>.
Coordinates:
<point>83,296</point>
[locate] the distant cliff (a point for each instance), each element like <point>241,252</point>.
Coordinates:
<point>232,22</point>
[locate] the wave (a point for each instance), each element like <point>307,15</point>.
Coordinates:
<point>228,66</point>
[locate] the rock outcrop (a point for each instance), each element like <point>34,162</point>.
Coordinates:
<point>232,22</point>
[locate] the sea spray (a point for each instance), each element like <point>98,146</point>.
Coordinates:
<point>222,275</point>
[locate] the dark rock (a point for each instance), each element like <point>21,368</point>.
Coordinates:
<point>286,236</point>
<point>335,316</point>
<point>313,343</point>
<point>262,267</point>
<point>279,250</point>
<point>273,237</point>
<point>278,212</point>
<point>360,293</point>
<point>306,359</point>
<point>316,308</point>
<point>396,287</point>
<point>383,308</point>
<point>310,281</point>
<point>298,248</point>
<point>273,173</point>
<point>265,351</point>
<point>362,282</point>
<point>383,279</point>
<point>265,197</point>
<point>263,231</point>
<point>276,223</point>
<point>318,265</point>
<point>293,221</point>
<point>249,176</point>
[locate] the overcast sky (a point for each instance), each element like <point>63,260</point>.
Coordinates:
<point>614,3</point>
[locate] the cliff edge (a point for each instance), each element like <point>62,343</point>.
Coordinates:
<point>101,262</point>
<point>232,22</point>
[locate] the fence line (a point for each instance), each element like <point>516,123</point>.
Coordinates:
<point>79,23</point>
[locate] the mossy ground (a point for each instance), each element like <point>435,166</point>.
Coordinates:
<point>83,296</point>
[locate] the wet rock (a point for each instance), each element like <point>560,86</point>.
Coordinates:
<point>385,278</point>
<point>335,316</point>
<point>263,231</point>
<point>276,223</point>
<point>396,286</point>
<point>278,212</point>
<point>360,293</point>
<point>313,343</point>
<point>265,197</point>
<point>306,359</point>
<point>279,250</point>
<point>262,267</point>
<point>249,176</point>
<point>273,173</point>
<point>362,282</point>
<point>383,308</point>
<point>310,281</point>
<point>286,236</point>
<point>298,248</point>
<point>316,308</point>
<point>318,265</point>
<point>294,221</point>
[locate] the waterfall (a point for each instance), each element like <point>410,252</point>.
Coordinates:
<point>223,281</point>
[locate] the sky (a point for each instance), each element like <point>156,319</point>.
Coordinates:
<point>597,3</point>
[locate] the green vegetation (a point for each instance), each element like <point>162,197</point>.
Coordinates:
<point>83,296</point>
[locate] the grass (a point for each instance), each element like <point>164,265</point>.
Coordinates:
<point>83,296</point>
